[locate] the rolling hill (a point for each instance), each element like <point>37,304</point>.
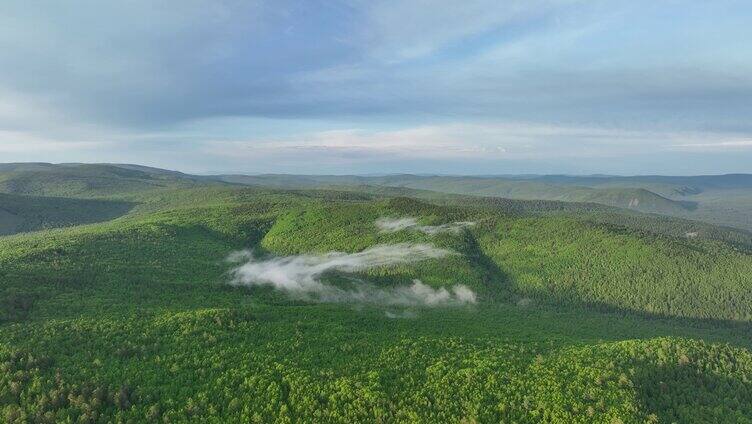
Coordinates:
<point>627,198</point>
<point>88,180</point>
<point>716,199</point>
<point>666,185</point>
<point>580,312</point>
<point>723,199</point>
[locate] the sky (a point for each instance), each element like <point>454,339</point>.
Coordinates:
<point>380,86</point>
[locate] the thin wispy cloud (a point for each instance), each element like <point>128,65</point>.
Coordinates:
<point>303,276</point>
<point>406,30</point>
<point>500,141</point>
<point>719,146</point>
<point>364,86</point>
<point>393,225</point>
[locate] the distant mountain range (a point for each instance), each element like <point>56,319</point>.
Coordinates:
<point>718,199</point>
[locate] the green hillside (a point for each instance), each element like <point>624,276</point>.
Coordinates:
<point>717,199</point>
<point>583,313</point>
<point>567,260</point>
<point>637,199</point>
<point>86,180</point>
<point>628,198</point>
<point>555,257</point>
<point>31,213</point>
<point>667,185</point>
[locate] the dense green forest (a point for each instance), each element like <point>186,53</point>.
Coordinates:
<point>30,213</point>
<point>131,312</point>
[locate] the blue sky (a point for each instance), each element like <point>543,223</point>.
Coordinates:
<point>351,86</point>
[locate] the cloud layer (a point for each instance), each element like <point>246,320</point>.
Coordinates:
<point>422,86</point>
<point>393,225</point>
<point>301,276</point>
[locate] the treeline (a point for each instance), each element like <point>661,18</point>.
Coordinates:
<point>228,365</point>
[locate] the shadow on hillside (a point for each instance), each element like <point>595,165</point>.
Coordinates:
<point>685,392</point>
<point>567,299</point>
<point>495,280</point>
<point>15,306</point>
<point>34,213</point>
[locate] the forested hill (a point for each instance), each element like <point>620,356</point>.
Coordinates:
<point>668,185</point>
<point>722,199</point>
<point>628,198</point>
<point>89,180</point>
<point>29,213</point>
<point>717,199</point>
<point>205,301</point>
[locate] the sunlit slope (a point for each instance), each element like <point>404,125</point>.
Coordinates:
<point>171,239</point>
<point>549,258</point>
<point>659,380</point>
<point>351,227</point>
<point>99,268</point>
<point>254,363</point>
<point>563,259</point>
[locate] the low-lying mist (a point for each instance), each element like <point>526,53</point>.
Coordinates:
<point>392,225</point>
<point>300,276</point>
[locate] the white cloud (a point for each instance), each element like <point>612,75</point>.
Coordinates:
<point>722,145</point>
<point>419,142</point>
<point>109,71</point>
<point>301,276</point>
<point>393,225</point>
